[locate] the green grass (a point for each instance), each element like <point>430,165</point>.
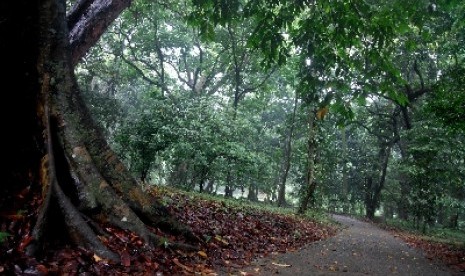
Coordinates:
<point>245,205</point>
<point>440,234</point>
<point>451,236</point>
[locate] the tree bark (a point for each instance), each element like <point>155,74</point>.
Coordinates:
<point>252,194</point>
<point>287,157</point>
<point>62,152</point>
<point>373,189</point>
<point>309,189</point>
<point>345,182</point>
<point>88,20</point>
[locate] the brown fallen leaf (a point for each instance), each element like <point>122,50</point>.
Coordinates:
<point>184,267</point>
<point>203,254</point>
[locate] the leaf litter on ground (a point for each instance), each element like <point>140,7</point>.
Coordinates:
<point>233,234</point>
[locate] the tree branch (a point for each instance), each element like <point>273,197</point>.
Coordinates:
<point>89,20</point>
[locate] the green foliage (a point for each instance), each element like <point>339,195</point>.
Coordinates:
<point>213,109</point>
<point>209,13</point>
<point>447,102</point>
<point>4,236</point>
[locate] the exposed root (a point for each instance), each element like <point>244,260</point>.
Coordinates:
<point>79,230</point>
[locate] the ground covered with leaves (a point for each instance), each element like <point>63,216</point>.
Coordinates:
<point>233,236</point>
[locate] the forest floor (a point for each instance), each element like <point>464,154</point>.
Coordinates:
<point>240,239</point>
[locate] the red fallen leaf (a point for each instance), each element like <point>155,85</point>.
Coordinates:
<point>153,265</point>
<point>42,269</point>
<point>65,255</point>
<point>136,240</point>
<point>24,192</point>
<point>125,258</point>
<point>24,242</point>
<point>121,236</point>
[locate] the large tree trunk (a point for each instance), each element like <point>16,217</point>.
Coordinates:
<point>61,148</point>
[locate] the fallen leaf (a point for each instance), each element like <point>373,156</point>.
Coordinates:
<point>203,254</point>
<point>125,258</point>
<point>25,242</point>
<point>281,265</point>
<point>218,238</point>
<point>184,267</point>
<point>97,258</point>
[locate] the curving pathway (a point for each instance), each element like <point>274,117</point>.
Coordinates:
<point>359,249</point>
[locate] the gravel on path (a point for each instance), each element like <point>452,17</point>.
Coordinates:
<point>360,248</point>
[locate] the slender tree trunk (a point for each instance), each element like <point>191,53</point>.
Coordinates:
<point>287,156</point>
<point>370,204</point>
<point>209,187</point>
<point>202,181</point>
<point>373,189</point>
<point>309,189</point>
<point>405,188</point>
<point>228,190</point>
<point>345,187</point>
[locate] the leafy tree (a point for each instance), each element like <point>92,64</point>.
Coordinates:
<point>145,135</point>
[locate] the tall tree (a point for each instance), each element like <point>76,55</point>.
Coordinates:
<point>287,152</point>
<point>59,149</point>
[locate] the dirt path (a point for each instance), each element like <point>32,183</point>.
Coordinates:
<point>359,249</point>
